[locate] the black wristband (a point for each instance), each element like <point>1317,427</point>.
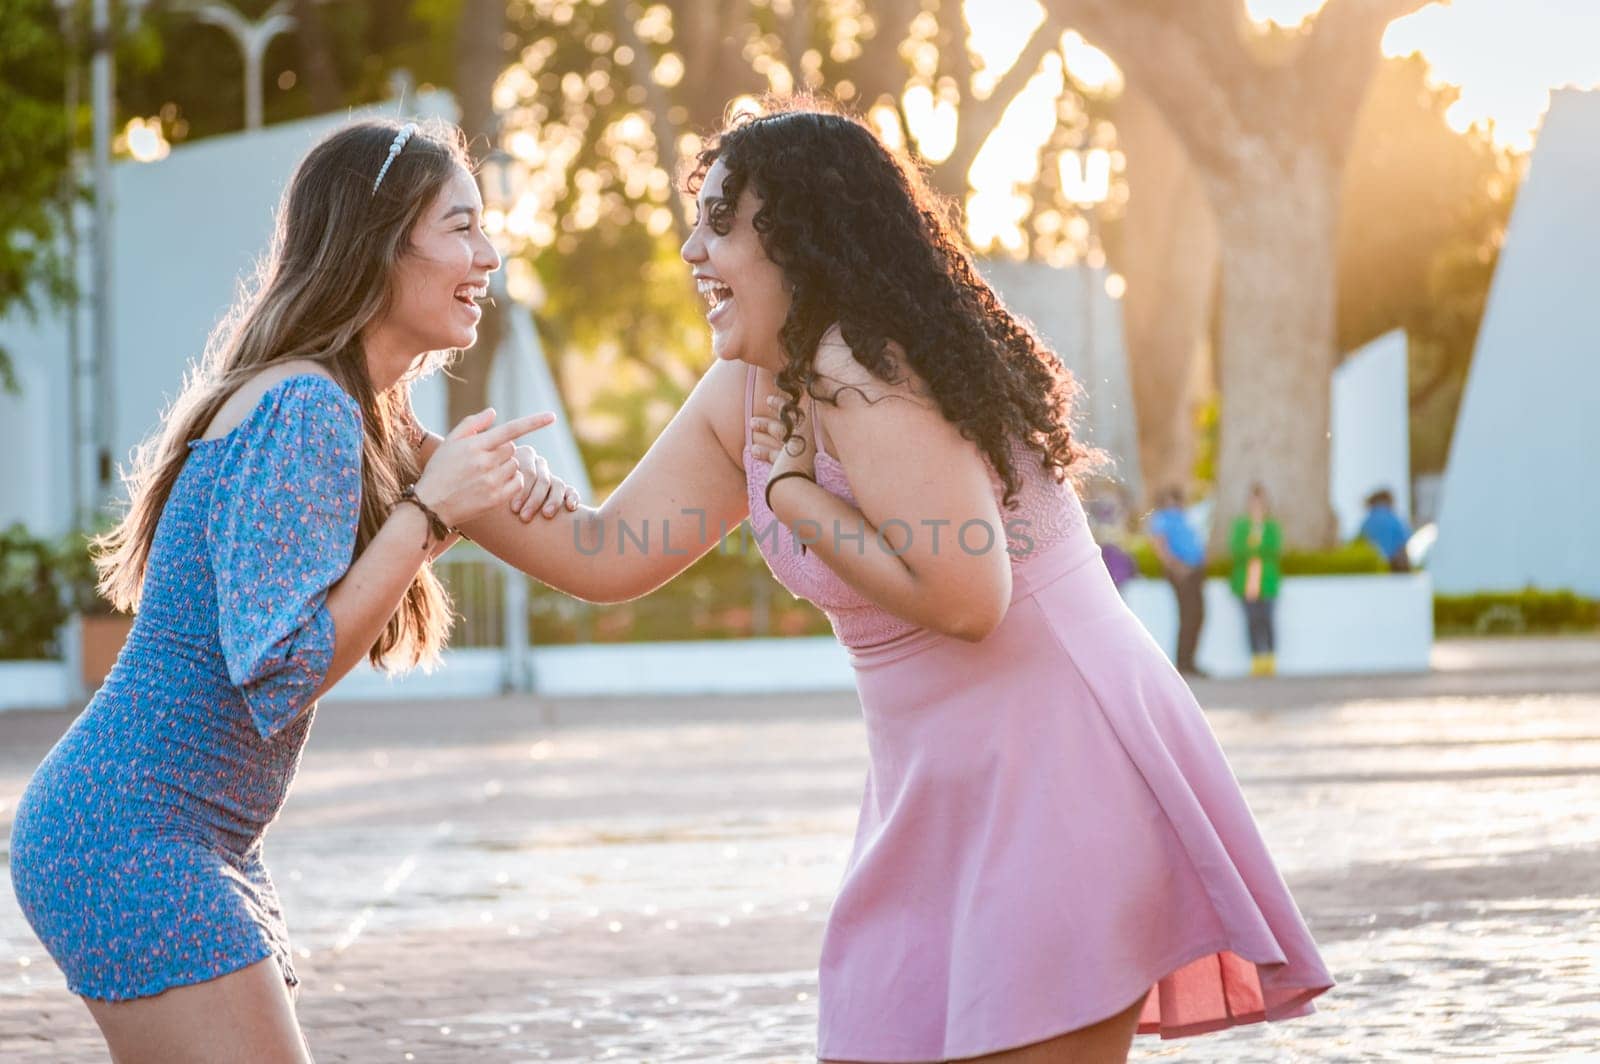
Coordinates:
<point>788,473</point>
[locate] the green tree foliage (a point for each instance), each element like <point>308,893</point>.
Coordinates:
<point>191,74</point>
<point>603,102</point>
<point>33,162</point>
<point>604,105</point>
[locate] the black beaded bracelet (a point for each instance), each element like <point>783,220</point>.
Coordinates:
<point>436,526</point>
<point>781,476</point>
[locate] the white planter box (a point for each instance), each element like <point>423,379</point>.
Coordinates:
<point>468,673</point>
<point>35,684</point>
<point>1325,624</point>
<point>716,666</point>
<point>745,666</point>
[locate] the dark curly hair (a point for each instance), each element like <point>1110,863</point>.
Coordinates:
<point>867,245</point>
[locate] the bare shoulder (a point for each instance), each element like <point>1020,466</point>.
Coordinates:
<point>244,399</point>
<point>847,382</point>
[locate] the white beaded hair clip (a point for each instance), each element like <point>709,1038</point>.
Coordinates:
<point>400,139</point>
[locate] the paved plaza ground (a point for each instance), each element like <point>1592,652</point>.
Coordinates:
<point>646,880</point>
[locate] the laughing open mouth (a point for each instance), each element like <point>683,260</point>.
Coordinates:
<point>714,292</point>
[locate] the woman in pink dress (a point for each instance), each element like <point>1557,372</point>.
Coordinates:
<point>1052,851</point>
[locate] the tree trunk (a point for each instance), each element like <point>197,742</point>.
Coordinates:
<point>659,105</point>
<point>1168,254</point>
<point>480,57</point>
<point>1277,345</point>
<point>316,54</point>
<point>710,36</point>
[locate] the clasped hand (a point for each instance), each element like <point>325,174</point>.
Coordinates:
<point>797,452</point>
<point>478,467</point>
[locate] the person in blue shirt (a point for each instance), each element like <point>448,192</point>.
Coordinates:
<point>1387,530</point>
<point>1183,558</point>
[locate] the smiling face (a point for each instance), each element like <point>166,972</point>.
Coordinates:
<point>746,295</point>
<point>437,284</point>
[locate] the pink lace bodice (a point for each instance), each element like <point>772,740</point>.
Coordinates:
<point>1045,514</point>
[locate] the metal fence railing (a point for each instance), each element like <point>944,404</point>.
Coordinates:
<point>728,594</point>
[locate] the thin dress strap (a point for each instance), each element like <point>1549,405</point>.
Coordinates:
<point>750,407</point>
<point>816,428</point>
<point>749,402</point>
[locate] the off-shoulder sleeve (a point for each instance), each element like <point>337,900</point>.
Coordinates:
<point>281,531</point>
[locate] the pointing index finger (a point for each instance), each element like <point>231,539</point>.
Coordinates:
<point>520,426</point>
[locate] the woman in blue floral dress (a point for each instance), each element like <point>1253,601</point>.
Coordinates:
<point>280,529</point>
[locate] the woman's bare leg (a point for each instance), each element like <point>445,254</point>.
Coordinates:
<point>245,1017</point>
<point>1106,1042</point>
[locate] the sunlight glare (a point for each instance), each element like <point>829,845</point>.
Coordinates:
<point>996,218</point>
<point>1091,68</point>
<point>1285,13</point>
<point>1086,176</point>
<point>1011,155</point>
<point>1009,159</point>
<point>740,106</point>
<point>886,122</point>
<point>1000,30</point>
<point>145,140</point>
<point>932,122</point>
<point>1504,60</point>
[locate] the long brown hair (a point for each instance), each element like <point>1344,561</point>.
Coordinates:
<point>325,278</point>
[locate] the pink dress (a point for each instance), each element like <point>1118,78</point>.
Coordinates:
<point>1049,830</point>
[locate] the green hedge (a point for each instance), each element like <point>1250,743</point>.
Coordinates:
<point>1531,611</point>
<point>1354,558</point>
<point>42,583</point>
<point>1351,559</point>
<point>33,605</point>
<point>728,594</point>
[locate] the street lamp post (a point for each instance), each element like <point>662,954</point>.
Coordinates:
<point>496,177</point>
<point>252,39</point>
<point>76,371</point>
<point>102,74</point>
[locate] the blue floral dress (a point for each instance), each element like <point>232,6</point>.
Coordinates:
<point>136,848</point>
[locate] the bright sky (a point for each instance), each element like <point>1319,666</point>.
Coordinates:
<point>1504,55</point>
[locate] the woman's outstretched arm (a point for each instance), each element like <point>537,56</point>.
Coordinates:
<point>677,503</point>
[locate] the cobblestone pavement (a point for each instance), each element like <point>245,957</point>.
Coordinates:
<point>517,880</point>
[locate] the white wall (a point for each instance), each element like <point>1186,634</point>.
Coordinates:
<point>1090,343</point>
<point>1520,504</point>
<point>1325,625</point>
<point>34,433</point>
<point>1371,425</point>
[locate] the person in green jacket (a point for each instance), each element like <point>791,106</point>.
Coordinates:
<point>1256,542</point>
